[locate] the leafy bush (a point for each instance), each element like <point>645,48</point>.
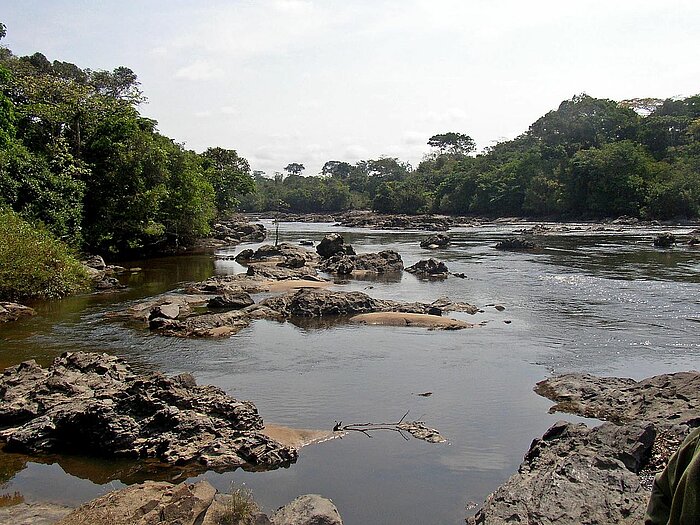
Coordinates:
<point>33,263</point>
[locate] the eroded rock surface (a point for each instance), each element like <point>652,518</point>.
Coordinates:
<point>515,244</point>
<point>577,475</point>
<point>439,240</point>
<point>333,244</point>
<point>94,404</point>
<point>386,261</point>
<point>429,268</point>
<point>195,504</point>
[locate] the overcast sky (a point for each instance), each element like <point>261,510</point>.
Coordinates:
<point>309,81</point>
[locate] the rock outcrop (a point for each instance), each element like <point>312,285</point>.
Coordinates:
<point>14,311</point>
<point>95,404</point>
<point>439,240</point>
<point>236,231</point>
<point>515,244</point>
<point>196,504</point>
<point>333,244</point>
<point>429,268</point>
<point>603,475</point>
<point>665,240</point>
<point>386,261</point>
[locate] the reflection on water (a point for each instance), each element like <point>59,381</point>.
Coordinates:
<point>601,302</point>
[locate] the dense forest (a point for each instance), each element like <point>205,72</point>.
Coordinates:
<point>78,157</point>
<point>589,159</point>
<point>80,165</point>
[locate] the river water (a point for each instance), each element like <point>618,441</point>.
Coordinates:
<point>602,302</point>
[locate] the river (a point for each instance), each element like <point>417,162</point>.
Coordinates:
<point>601,302</point>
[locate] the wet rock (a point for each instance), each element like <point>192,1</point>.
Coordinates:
<point>167,311</point>
<point>516,244</point>
<point>311,509</point>
<point>575,475</point>
<point>439,240</point>
<point>319,303</point>
<point>333,244</point>
<point>433,321</point>
<point>14,311</point>
<point>664,240</point>
<point>429,267</point>
<point>233,300</point>
<point>386,261</point>
<point>94,404</point>
<point>236,231</point>
<point>96,262</point>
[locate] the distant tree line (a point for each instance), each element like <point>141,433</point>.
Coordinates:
<point>78,157</point>
<point>590,158</point>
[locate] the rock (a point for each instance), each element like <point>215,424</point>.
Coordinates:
<point>319,303</point>
<point>386,261</point>
<point>108,283</point>
<point>234,300</point>
<point>245,255</point>
<point>429,267</point>
<point>431,321</point>
<point>195,504</point>
<point>693,241</point>
<point>515,244</point>
<point>14,311</point>
<point>311,509</point>
<point>284,254</point>
<point>306,242</point>
<point>145,504</point>
<point>167,311</point>
<point>33,513</point>
<point>665,240</point>
<point>575,475</point>
<point>663,399</point>
<point>333,244</point>
<point>439,240</point>
<point>96,262</point>
<point>93,404</point>
<point>235,231</point>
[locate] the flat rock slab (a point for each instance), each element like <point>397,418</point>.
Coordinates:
<point>409,319</point>
<point>310,509</point>
<point>93,404</point>
<point>33,514</point>
<point>668,399</point>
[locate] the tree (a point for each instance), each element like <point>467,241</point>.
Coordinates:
<point>294,168</point>
<point>336,168</point>
<point>229,175</point>
<point>452,143</point>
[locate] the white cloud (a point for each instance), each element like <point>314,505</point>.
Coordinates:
<point>202,114</point>
<point>229,110</point>
<point>200,70</point>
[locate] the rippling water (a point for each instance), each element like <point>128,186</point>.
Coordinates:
<point>604,302</point>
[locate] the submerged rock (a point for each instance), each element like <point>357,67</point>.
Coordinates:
<point>94,404</point>
<point>310,509</point>
<point>431,321</point>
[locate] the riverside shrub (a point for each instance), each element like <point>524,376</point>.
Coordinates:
<point>34,264</point>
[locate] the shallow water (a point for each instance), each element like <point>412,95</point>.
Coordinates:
<point>604,302</point>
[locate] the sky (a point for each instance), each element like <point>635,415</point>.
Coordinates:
<point>309,81</point>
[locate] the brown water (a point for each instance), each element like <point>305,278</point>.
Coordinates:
<point>601,302</point>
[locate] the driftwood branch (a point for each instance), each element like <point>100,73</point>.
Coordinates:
<point>417,429</point>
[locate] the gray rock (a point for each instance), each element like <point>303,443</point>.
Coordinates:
<point>386,261</point>
<point>94,404</point>
<point>574,475</point>
<point>333,244</point>
<point>514,244</point>
<point>33,514</point>
<point>665,240</point>
<point>310,509</point>
<point>234,300</point>
<point>439,240</point>
<point>429,267</point>
<point>96,262</point>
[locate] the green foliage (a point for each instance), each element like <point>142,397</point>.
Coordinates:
<point>229,175</point>
<point>33,263</point>
<point>452,143</point>
<point>238,506</point>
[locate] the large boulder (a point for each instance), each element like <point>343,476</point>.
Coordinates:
<point>333,244</point>
<point>95,404</point>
